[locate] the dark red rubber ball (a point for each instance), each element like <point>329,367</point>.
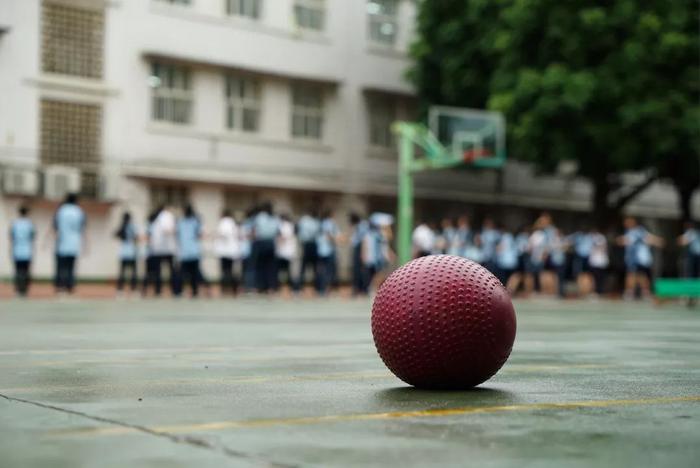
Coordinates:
<point>443,322</point>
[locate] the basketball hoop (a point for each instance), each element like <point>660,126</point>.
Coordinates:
<point>472,155</point>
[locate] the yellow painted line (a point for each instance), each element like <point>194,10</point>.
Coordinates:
<point>429,413</point>
<point>552,367</point>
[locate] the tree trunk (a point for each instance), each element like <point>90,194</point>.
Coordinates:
<point>685,195</point>
<point>602,212</point>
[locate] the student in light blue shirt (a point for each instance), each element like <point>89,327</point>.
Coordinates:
<point>489,238</point>
<point>69,226</point>
<point>506,257</point>
<point>448,237</point>
<point>359,230</point>
<point>463,239</point>
<point>373,247</point>
<point>22,235</point>
<point>265,230</point>
<point>639,258</point>
<point>582,242</point>
<point>557,260</point>
<point>128,252</point>
<point>521,245</point>
<point>326,251</point>
<point>690,239</point>
<point>308,228</point>
<point>152,274</point>
<point>248,260</point>
<point>189,234</point>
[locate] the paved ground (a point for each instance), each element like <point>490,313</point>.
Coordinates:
<point>278,382</point>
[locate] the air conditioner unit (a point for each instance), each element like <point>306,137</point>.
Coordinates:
<point>108,186</point>
<point>60,181</point>
<point>20,181</point>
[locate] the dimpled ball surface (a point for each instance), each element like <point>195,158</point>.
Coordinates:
<point>443,322</point>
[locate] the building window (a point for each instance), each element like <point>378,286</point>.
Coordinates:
<point>239,201</point>
<point>310,14</point>
<point>169,195</point>
<point>382,114</point>
<point>383,21</point>
<point>307,111</point>
<point>72,40</point>
<point>172,93</point>
<point>242,103</point>
<point>246,8</point>
<point>71,135</point>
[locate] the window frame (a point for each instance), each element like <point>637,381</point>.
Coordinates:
<point>171,96</point>
<point>169,194</point>
<point>383,125</point>
<point>378,20</point>
<point>233,9</point>
<point>308,113</point>
<point>181,3</point>
<point>318,7</point>
<point>238,105</point>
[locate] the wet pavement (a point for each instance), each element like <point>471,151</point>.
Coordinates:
<point>285,382</point>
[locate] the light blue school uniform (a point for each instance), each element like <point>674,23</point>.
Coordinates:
<point>22,233</point>
<point>308,228</point>
<point>507,252</point>
<point>692,236</point>
<point>550,233</point>
<point>556,254</point>
<point>489,240</point>
<point>128,250</point>
<point>376,246</point>
<point>246,229</point>
<point>583,244</point>
<point>521,242</point>
<point>637,251</point>
<point>325,241</point>
<point>266,226</point>
<point>188,233</point>
<point>463,240</point>
<point>69,223</point>
<point>450,237</point>
<point>359,233</point>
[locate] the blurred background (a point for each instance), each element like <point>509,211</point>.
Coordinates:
<point>229,103</point>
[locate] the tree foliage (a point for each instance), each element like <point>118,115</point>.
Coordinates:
<point>614,85</point>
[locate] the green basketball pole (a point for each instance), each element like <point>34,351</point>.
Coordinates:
<point>405,200</point>
<point>436,157</point>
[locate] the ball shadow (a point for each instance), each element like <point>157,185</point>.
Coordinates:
<point>409,396</point>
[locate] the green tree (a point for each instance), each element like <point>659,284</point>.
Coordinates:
<point>613,85</point>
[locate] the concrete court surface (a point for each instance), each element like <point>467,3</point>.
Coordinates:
<point>272,382</point>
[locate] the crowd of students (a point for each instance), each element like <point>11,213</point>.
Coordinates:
<point>540,257</point>
<point>256,253</point>
<point>263,251</point>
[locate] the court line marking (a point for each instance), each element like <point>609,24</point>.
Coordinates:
<point>188,440</point>
<point>256,379</point>
<point>428,413</point>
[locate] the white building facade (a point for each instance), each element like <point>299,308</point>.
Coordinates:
<point>222,103</point>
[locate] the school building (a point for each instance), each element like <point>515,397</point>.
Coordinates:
<point>224,103</point>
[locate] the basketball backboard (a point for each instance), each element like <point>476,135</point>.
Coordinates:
<point>468,133</point>
<point>454,138</point>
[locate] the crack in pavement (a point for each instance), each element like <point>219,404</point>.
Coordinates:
<point>178,439</point>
